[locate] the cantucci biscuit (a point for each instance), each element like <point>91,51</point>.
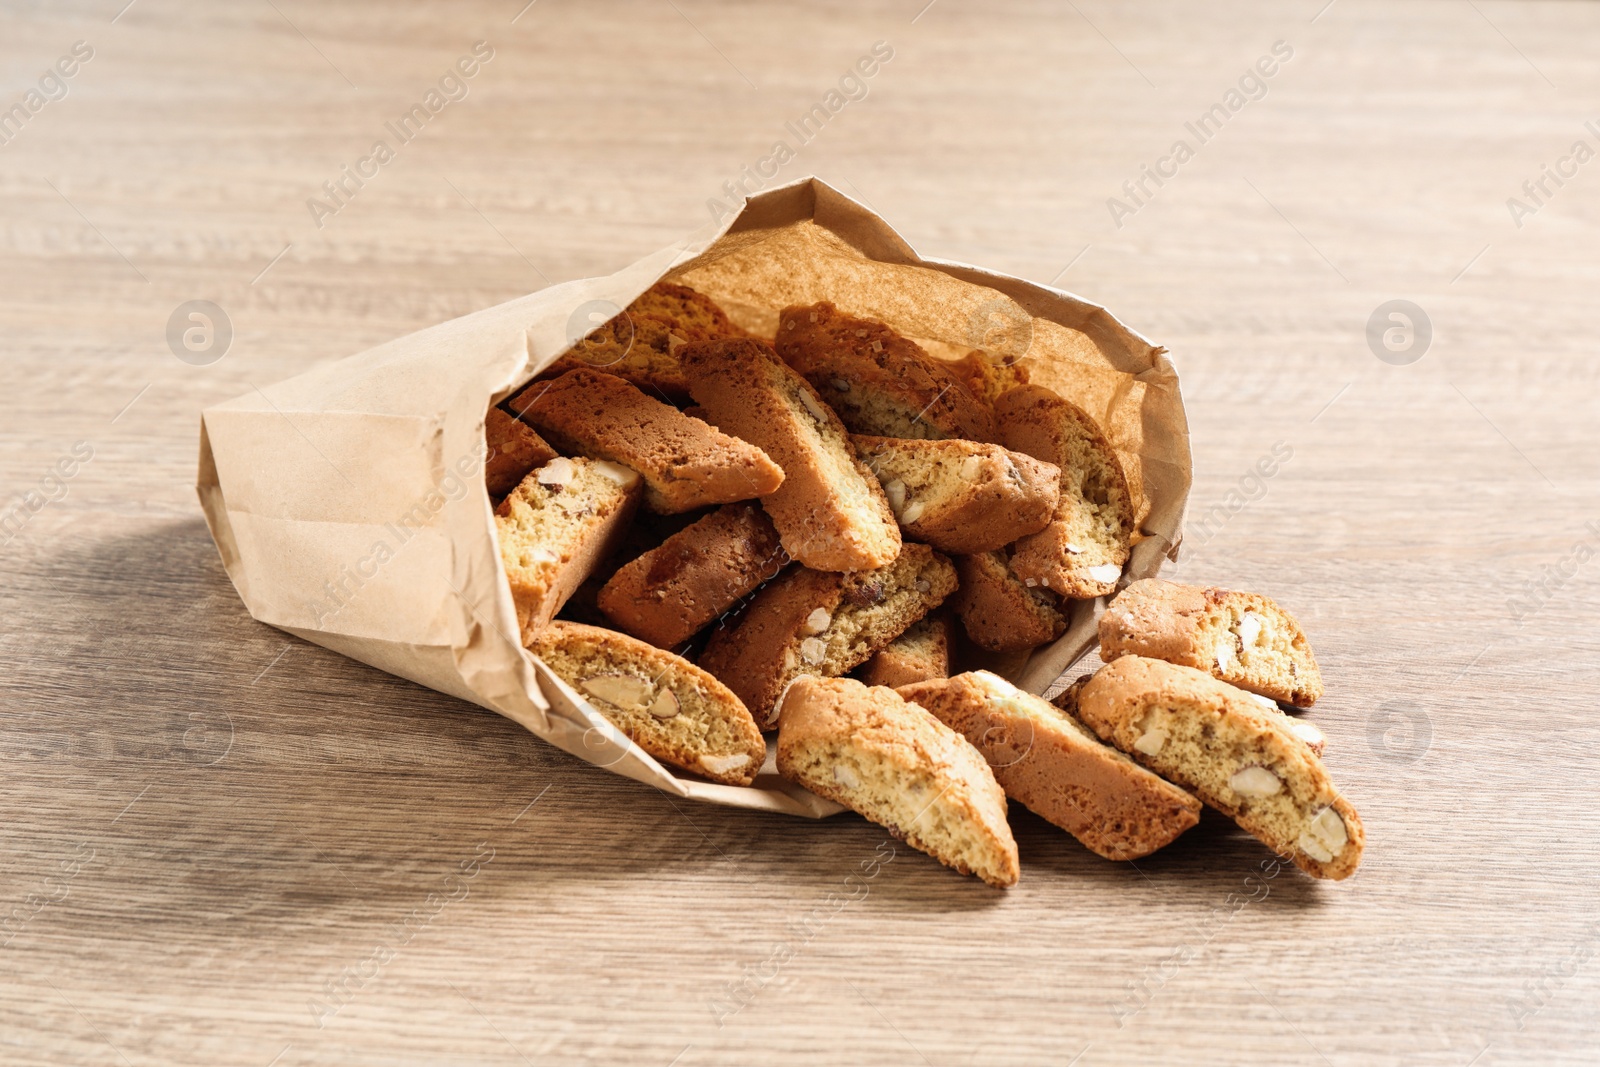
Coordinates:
<point>830,511</point>
<point>1240,758</point>
<point>1045,760</point>
<point>1081,552</point>
<point>666,705</point>
<point>514,450</point>
<point>962,496</point>
<point>670,592</point>
<point>1244,639</point>
<point>896,764</point>
<point>556,527</point>
<point>878,381</point>
<point>822,623</point>
<point>988,375</point>
<point>999,611</point>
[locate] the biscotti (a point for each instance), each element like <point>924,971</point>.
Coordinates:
<point>830,512</point>
<point>1244,639</point>
<point>556,526</point>
<point>685,463</point>
<point>899,766</point>
<point>514,450</point>
<point>1240,758</point>
<point>1046,761</point>
<point>667,594</point>
<point>999,611</point>
<point>666,705</point>
<point>640,344</point>
<point>824,623</point>
<point>986,375</point>
<point>1081,552</point>
<point>961,496</point>
<point>920,654</point>
<point>878,381</point>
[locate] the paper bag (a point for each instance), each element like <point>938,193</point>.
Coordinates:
<point>348,502</point>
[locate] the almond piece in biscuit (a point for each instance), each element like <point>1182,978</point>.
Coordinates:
<point>666,705</point>
<point>878,381</point>
<point>899,766</point>
<point>1045,760</point>
<point>514,450</point>
<point>1240,758</point>
<point>961,496</point>
<point>824,623</point>
<point>921,654</point>
<point>1000,611</point>
<point>1244,639</point>
<point>685,463</point>
<point>640,344</point>
<point>830,510</point>
<point>556,527</point>
<point>667,594</point>
<point>1081,552</point>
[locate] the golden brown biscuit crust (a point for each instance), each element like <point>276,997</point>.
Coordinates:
<point>940,795</point>
<point>1059,770</point>
<point>921,654</point>
<point>879,382</point>
<point>1206,628</point>
<point>1240,758</point>
<point>1000,612</point>
<point>830,510</point>
<point>670,592</point>
<point>514,450</point>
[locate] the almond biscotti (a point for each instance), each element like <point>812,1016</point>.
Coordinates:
<point>830,511</point>
<point>962,496</point>
<point>921,654</point>
<point>878,381</point>
<point>669,593</point>
<point>1000,611</point>
<point>641,343</point>
<point>514,450</point>
<point>823,623</point>
<point>1240,758</point>
<point>1046,761</point>
<point>666,705</point>
<point>1081,552</point>
<point>1244,639</point>
<point>685,463</point>
<point>555,528</point>
<point>896,764</point>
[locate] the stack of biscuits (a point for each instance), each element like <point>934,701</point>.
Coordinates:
<point>712,536</point>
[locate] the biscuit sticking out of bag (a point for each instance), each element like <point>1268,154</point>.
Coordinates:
<point>1244,639</point>
<point>669,593</point>
<point>1062,772</point>
<point>1081,552</point>
<point>685,463</point>
<point>879,382</point>
<point>962,496</point>
<point>896,764</point>
<point>556,527</point>
<point>1243,760</point>
<point>830,511</point>
<point>666,705</point>
<point>514,450</point>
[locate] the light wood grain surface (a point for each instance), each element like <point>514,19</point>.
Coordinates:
<point>224,846</point>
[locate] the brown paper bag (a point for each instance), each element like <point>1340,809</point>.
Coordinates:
<point>348,502</point>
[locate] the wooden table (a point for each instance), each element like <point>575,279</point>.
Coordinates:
<point>225,846</point>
